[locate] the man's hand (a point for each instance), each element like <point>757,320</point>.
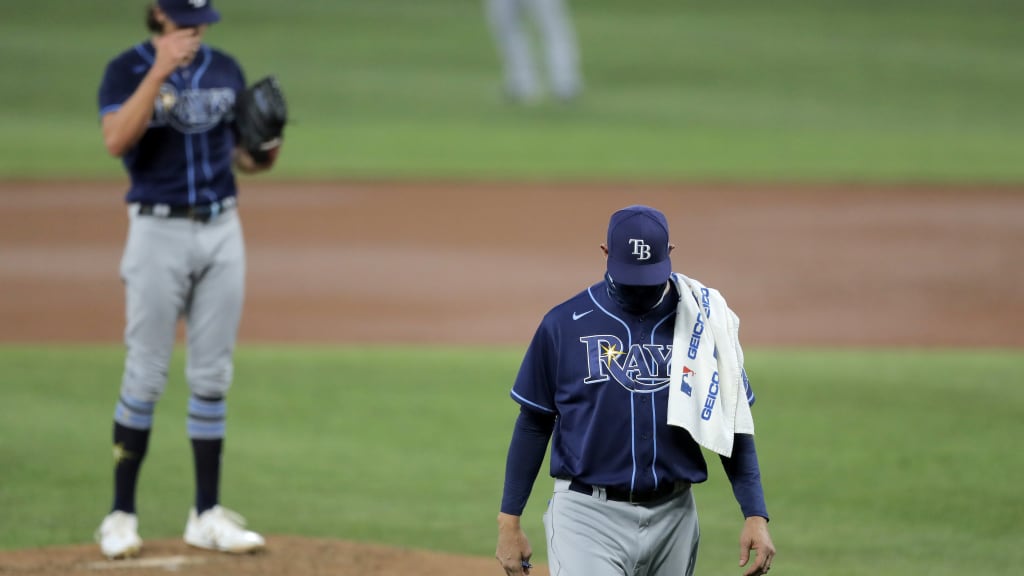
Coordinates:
<point>123,128</point>
<point>514,550</point>
<point>755,537</point>
<point>244,162</point>
<point>175,49</point>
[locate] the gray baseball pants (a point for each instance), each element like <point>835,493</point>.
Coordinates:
<point>173,268</point>
<point>589,535</point>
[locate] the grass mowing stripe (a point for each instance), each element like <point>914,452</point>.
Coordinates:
<point>863,91</point>
<point>873,461</point>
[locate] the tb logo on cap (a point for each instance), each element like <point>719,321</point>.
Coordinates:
<point>641,249</point>
<point>197,3</point>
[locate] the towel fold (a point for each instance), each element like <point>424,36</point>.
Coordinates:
<point>706,377</point>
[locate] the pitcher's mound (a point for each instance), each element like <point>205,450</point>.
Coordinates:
<point>284,556</point>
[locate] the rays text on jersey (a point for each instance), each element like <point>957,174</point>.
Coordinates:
<point>637,367</point>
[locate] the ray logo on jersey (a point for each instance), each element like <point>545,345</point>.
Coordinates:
<point>192,111</point>
<point>638,367</point>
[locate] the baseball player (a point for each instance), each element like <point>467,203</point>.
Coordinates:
<point>509,25</point>
<point>166,107</point>
<point>594,381</point>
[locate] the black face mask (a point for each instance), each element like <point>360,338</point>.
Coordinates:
<point>635,299</point>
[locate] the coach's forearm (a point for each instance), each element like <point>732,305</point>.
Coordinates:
<point>745,476</point>
<point>508,521</point>
<point>525,457</point>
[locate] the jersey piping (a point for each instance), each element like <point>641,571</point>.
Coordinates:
<point>203,147</point>
<point>534,404</point>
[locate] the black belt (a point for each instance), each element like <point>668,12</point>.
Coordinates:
<point>198,212</point>
<point>624,495</point>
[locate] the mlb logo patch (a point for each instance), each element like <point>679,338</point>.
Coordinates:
<point>685,386</point>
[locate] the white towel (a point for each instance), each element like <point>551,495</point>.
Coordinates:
<point>706,396</point>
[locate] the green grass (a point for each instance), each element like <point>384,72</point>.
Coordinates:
<point>883,463</point>
<point>791,90</point>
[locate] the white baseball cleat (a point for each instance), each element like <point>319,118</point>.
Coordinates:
<point>118,535</point>
<point>221,529</point>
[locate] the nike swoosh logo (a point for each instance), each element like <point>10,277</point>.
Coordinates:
<point>576,316</point>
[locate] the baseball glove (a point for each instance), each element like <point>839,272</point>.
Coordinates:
<point>260,116</point>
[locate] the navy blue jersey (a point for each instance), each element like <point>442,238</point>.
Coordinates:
<point>185,155</point>
<point>605,374</point>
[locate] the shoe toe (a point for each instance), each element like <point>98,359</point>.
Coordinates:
<point>118,536</point>
<point>223,530</point>
<point>122,550</point>
<point>249,542</point>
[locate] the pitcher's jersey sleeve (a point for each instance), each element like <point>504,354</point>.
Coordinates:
<point>120,79</point>
<point>239,85</point>
<point>240,82</point>
<point>535,383</point>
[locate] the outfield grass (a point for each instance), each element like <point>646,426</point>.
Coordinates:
<point>884,463</point>
<point>744,90</point>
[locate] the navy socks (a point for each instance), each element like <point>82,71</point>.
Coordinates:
<point>129,450</point>
<point>206,455</point>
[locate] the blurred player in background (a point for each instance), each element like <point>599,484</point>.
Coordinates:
<point>512,33</point>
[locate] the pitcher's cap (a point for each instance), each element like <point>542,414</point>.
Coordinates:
<point>638,247</point>
<point>189,12</point>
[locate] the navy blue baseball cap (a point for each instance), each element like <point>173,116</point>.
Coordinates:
<point>638,247</point>
<point>189,12</point>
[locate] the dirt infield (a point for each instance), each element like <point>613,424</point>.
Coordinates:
<point>479,264</point>
<point>470,264</point>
